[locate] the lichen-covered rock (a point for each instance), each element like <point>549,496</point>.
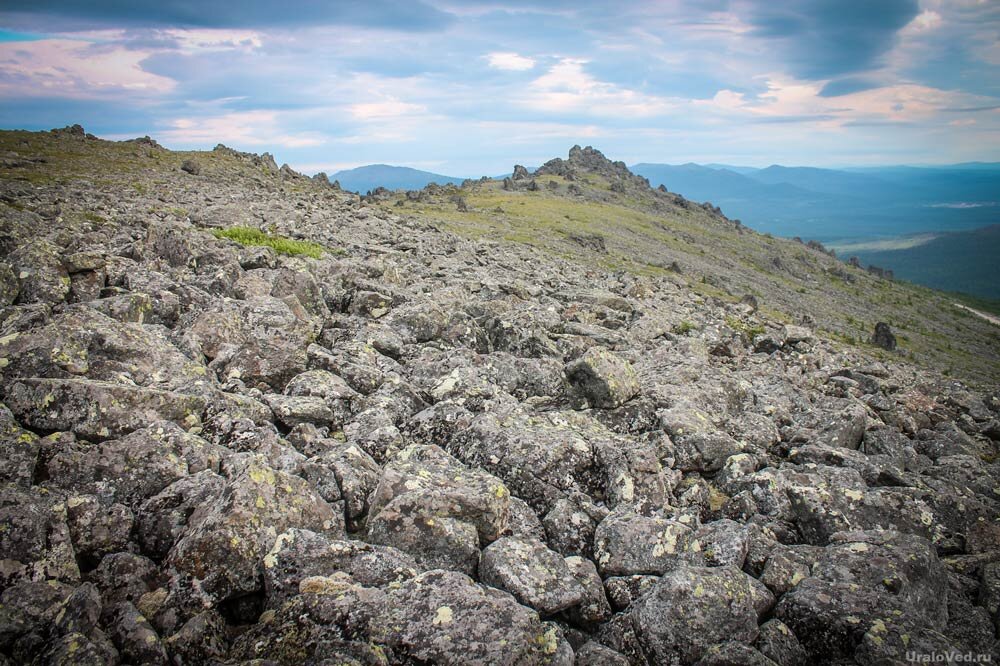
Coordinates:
<point>332,618</point>
<point>622,591</point>
<point>540,457</point>
<point>164,517</point>
<point>436,541</point>
<point>821,511</point>
<point>445,618</point>
<point>36,542</point>
<point>861,579</point>
<point>294,410</point>
<point>777,642</point>
<point>135,638</point>
<point>298,554</point>
<point>569,529</point>
<point>97,529</point>
<point>692,608</point>
<point>262,341</point>
<point>699,445</point>
<point>594,608</point>
<point>123,577</point>
<point>135,467</point>
<point>601,379</point>
<point>445,488</point>
<point>536,576</point>
<point>732,653</point>
<point>82,342</point>
<point>202,640</point>
<point>98,410</point>
<point>724,543</point>
<point>595,654</point>
<point>29,607</point>
<point>40,273</point>
<point>627,543</point>
<point>19,450</point>
<point>224,544</point>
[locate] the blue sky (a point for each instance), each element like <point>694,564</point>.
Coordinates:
<point>470,88</point>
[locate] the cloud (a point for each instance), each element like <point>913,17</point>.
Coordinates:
<point>247,128</point>
<point>822,39</point>
<point>509,61</point>
<point>567,88</point>
<point>59,15</point>
<point>75,69</point>
<point>390,108</point>
<point>847,85</point>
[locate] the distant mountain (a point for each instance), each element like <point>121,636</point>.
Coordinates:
<point>730,167</point>
<point>827,181</point>
<point>704,183</point>
<point>839,205</point>
<point>963,261</point>
<point>365,178</point>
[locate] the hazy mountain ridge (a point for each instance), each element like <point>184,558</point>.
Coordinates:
<point>366,178</point>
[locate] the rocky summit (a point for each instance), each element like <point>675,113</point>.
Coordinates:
<point>562,418</point>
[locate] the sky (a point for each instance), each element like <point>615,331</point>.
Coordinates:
<point>471,88</point>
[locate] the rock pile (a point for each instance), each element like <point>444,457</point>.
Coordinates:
<point>424,449</point>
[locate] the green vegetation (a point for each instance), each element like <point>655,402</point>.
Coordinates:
<point>684,327</point>
<point>280,244</point>
<point>745,328</point>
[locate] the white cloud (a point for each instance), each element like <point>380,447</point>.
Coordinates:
<point>568,88</point>
<point>202,40</point>
<point>389,108</point>
<point>923,22</point>
<point>72,68</point>
<point>509,61</point>
<point>240,128</point>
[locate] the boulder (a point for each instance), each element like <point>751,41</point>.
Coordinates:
<point>298,554</point>
<point>860,580</point>
<point>883,337</point>
<point>601,379</point>
<point>98,410</point>
<point>536,576</point>
<point>628,543</point>
<point>445,618</point>
<point>691,609</point>
<point>223,546</point>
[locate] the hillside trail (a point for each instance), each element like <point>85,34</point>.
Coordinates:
<point>988,317</point>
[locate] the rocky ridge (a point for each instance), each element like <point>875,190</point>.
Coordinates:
<point>426,446</point>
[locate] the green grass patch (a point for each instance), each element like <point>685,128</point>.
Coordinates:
<point>684,328</point>
<point>280,244</point>
<point>745,328</point>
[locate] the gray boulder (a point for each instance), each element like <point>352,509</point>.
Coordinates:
<point>601,379</point>
<point>863,579</point>
<point>536,576</point>
<point>445,618</point>
<point>628,543</point>
<point>691,609</point>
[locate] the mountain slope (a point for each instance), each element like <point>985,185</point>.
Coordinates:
<point>247,416</point>
<point>365,178</point>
